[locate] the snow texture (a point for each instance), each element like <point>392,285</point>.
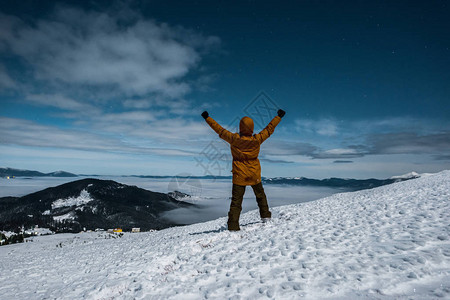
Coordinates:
<point>39,231</point>
<point>390,242</point>
<point>68,216</point>
<point>7,233</point>
<point>82,199</point>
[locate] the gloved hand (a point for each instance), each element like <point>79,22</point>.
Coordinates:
<point>205,115</point>
<point>281,113</point>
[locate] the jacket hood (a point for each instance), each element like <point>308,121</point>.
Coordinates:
<point>246,126</point>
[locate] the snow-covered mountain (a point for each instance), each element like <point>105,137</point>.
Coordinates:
<point>88,203</point>
<point>391,242</point>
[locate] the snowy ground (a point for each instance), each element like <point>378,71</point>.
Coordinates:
<point>387,243</point>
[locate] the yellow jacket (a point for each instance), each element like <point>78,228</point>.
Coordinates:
<point>245,148</point>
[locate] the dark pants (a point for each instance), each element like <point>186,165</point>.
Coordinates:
<point>236,204</point>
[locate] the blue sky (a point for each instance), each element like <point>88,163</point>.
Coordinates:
<point>117,88</point>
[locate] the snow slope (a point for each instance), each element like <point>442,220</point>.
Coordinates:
<point>391,242</point>
<point>82,199</point>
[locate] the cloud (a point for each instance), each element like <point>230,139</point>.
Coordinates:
<point>338,153</point>
<point>123,52</point>
<point>410,143</point>
<point>5,80</point>
<point>60,101</point>
<point>275,161</point>
<point>138,103</point>
<point>119,78</point>
<point>343,162</point>
<point>213,204</point>
<point>129,117</point>
<point>442,157</point>
<point>436,144</point>
<point>286,147</point>
<point>148,128</point>
<point>177,106</point>
<point>324,126</point>
<point>358,138</point>
<point>27,133</point>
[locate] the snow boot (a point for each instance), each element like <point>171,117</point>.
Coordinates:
<point>232,226</point>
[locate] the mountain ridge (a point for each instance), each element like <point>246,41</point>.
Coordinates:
<point>353,184</point>
<point>11,172</point>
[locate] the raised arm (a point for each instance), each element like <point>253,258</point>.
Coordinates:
<point>222,132</point>
<point>270,128</point>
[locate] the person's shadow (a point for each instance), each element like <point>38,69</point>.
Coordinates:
<point>222,228</point>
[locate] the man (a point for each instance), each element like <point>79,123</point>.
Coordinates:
<point>246,168</point>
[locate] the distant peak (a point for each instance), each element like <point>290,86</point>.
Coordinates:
<point>407,175</point>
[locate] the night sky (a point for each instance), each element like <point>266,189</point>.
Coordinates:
<point>117,88</point>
